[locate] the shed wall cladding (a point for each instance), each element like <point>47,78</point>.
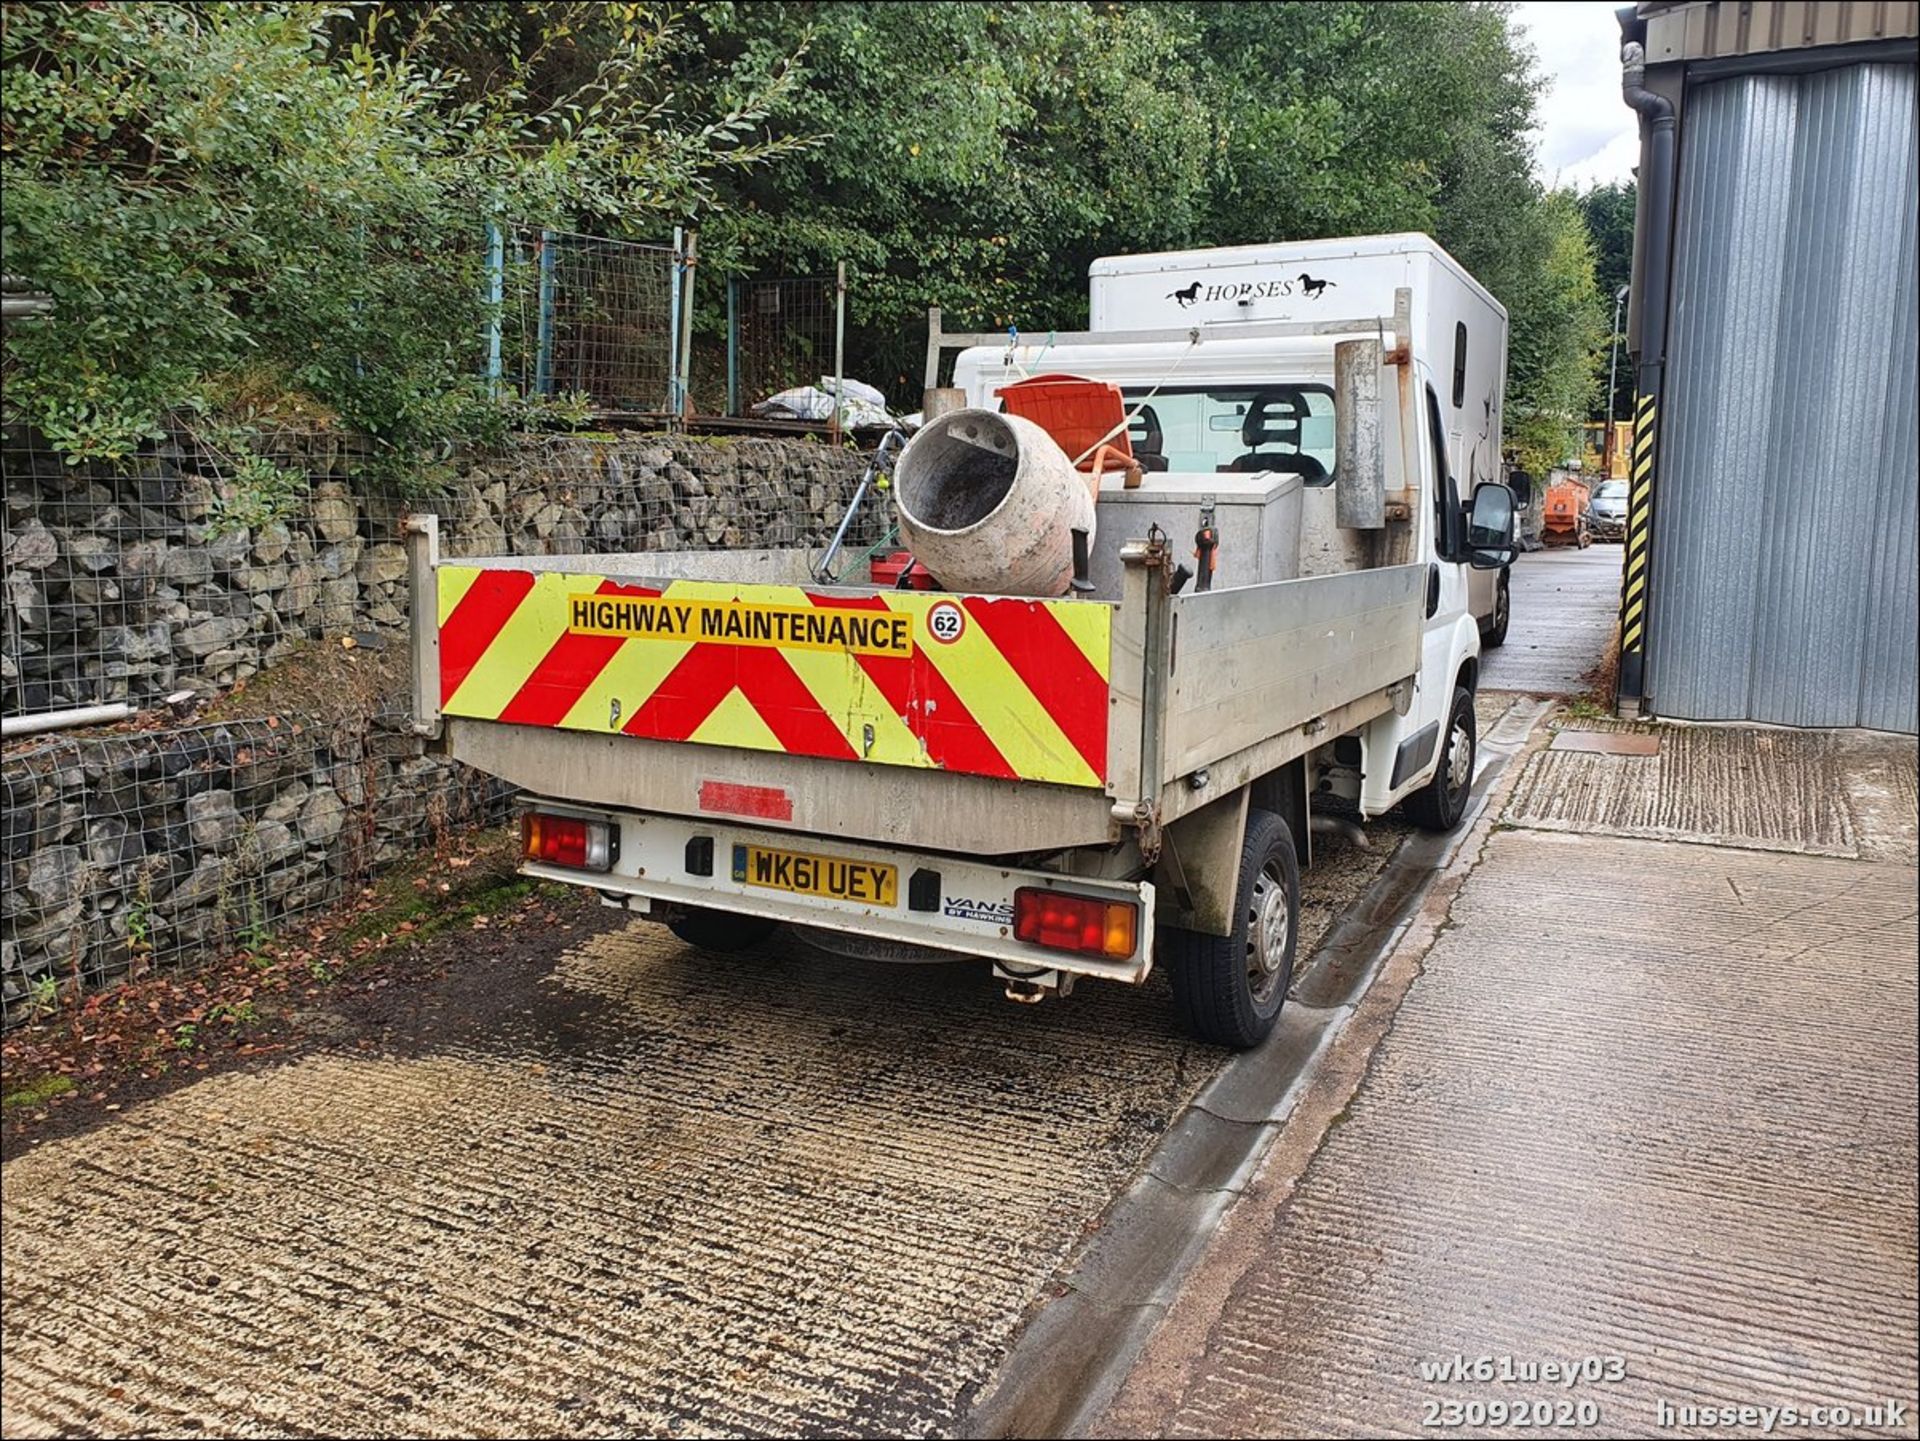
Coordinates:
<point>1784,565</point>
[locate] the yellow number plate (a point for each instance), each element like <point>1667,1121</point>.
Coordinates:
<point>870,883</point>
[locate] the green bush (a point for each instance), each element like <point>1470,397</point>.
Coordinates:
<point>261,211</point>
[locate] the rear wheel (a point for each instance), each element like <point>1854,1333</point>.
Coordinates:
<point>1439,804</point>
<point>721,930</point>
<point>1229,989</point>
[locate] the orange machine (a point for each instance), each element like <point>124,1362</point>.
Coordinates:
<point>1563,515</point>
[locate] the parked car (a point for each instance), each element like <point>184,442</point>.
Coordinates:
<point>1607,513</point>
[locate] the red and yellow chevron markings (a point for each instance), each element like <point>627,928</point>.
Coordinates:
<point>1010,688</point>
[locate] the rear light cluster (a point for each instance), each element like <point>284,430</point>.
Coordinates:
<point>1075,923</point>
<point>582,845</point>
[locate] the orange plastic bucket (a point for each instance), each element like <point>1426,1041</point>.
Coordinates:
<point>1079,414</point>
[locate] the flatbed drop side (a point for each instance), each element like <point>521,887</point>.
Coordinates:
<point>720,741</point>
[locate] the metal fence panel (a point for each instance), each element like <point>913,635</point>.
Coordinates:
<point>781,337</point>
<point>1782,566</point>
<point>580,313</point>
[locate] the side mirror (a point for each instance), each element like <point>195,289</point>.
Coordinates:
<point>1490,525</point>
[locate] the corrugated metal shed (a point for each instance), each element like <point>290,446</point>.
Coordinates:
<point>1784,558</point>
<point>1695,31</point>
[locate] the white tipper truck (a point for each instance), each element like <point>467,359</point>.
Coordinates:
<point>1265,610</point>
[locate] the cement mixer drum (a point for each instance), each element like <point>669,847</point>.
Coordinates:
<point>989,503</point>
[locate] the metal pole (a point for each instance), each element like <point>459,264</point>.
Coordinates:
<point>422,540</point>
<point>1613,363</point>
<point>86,715</point>
<point>733,345</point>
<point>839,347</point>
<point>686,323</point>
<point>932,380</point>
<point>496,296</point>
<point>673,325</point>
<point>543,355</point>
<point>1654,278</point>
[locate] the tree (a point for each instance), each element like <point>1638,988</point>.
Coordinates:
<point>1608,211</point>
<point>976,157</point>
<point>979,157</point>
<point>281,205</point>
<point>1557,333</point>
<point>286,197</point>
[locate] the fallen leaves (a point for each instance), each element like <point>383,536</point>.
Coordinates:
<point>251,1005</point>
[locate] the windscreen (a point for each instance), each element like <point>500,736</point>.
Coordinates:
<point>1237,428</point>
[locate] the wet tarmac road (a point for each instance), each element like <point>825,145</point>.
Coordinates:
<point>1565,602</point>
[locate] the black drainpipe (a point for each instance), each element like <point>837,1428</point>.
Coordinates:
<point>1656,267</point>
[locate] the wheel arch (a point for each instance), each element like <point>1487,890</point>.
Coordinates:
<point>1205,844</point>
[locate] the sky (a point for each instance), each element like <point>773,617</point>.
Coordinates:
<point>1587,136</point>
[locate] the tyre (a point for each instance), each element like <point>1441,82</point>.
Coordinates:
<point>1583,537</point>
<point>1495,634</point>
<point>1439,804</point>
<point>1229,990</point>
<point>721,930</point>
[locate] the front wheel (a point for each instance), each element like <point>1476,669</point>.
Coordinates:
<point>1496,635</point>
<point>1439,804</point>
<point>1229,989</point>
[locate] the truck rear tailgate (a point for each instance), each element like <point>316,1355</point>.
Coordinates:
<point>1010,689</point>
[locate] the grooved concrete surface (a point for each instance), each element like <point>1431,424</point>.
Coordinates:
<point>1565,602</point>
<point>1646,1100</point>
<point>671,1193</point>
<point>1789,790</point>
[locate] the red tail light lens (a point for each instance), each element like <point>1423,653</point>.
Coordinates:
<point>568,841</point>
<point>1075,923</point>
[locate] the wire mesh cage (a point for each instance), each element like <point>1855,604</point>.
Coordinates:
<point>208,553</point>
<point>145,849</point>
<point>581,314</point>
<point>782,334</point>
<point>270,582</point>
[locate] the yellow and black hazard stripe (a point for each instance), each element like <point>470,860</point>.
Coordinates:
<point>1633,583</point>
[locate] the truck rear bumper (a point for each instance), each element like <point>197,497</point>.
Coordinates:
<point>940,901</point>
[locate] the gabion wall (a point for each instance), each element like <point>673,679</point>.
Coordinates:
<point>148,849</point>
<point>125,850</point>
<point>130,583</point>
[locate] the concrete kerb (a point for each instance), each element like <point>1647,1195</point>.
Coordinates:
<point>1250,1131</point>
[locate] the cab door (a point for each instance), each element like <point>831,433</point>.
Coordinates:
<point>1401,751</point>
